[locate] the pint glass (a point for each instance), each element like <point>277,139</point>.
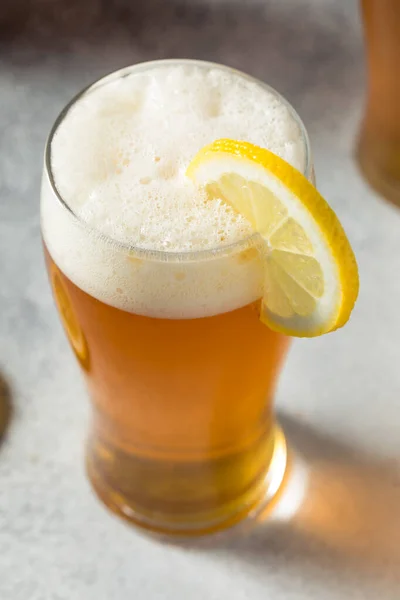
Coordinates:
<point>379,140</point>
<point>183,437</point>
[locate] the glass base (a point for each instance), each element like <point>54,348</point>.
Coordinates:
<point>248,506</point>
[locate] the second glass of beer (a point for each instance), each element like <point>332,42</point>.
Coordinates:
<point>378,146</point>
<point>180,370</point>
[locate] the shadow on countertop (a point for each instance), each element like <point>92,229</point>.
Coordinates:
<point>338,513</point>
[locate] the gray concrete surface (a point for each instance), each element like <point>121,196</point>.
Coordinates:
<point>339,396</point>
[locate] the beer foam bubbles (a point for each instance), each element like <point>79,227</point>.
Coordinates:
<point>118,160</point>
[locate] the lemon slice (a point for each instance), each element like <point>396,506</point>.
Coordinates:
<point>311,277</point>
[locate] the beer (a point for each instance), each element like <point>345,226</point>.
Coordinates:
<point>379,143</point>
<point>159,289</point>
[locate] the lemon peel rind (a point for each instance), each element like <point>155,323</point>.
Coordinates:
<point>323,215</point>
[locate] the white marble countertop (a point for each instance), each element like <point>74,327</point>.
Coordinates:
<point>339,397</point>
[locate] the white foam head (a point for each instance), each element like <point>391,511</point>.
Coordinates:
<point>118,159</point>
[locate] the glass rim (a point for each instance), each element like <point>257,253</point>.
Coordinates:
<point>254,239</point>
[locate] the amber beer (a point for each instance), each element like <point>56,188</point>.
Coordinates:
<point>182,424</point>
<point>180,370</point>
<point>379,141</point>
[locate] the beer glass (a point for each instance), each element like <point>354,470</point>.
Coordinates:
<point>183,438</point>
<point>379,141</point>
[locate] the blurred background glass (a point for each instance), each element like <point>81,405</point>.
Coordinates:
<point>379,142</point>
